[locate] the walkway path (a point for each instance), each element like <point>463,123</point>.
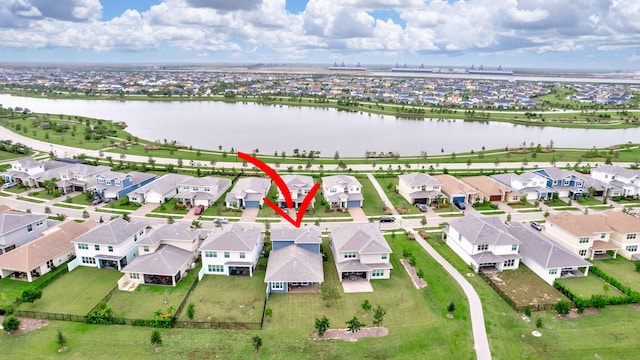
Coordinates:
<point>483,352</point>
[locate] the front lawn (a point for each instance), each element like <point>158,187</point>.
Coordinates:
<point>76,292</point>
<point>42,194</point>
<point>486,205</point>
<point>170,207</point>
<point>372,204</point>
<point>590,201</point>
<point>585,286</point>
<point>556,203</point>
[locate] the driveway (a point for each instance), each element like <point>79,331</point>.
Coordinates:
<point>249,215</point>
<point>358,214</point>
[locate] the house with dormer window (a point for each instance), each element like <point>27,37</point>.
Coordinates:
<point>626,180</point>
<point>533,186</point>
<point>248,193</point>
<point>203,191</point>
<point>587,235</point>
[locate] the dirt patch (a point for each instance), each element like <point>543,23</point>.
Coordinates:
<point>344,334</point>
<point>573,314</point>
<point>28,324</point>
<point>418,282</point>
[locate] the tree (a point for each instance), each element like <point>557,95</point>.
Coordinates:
<point>354,325</point>
<point>330,295</point>
<point>366,305</point>
<point>195,224</point>
<point>451,307</point>
<point>11,323</point>
<point>156,338</point>
<point>322,325</point>
<point>85,214</point>
<point>256,341</point>
<point>191,310</point>
<point>126,217</point>
<point>378,315</point>
<point>563,307</point>
<point>61,340</point>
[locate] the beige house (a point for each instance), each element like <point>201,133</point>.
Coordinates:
<point>587,235</point>
<point>491,190</point>
<point>38,257</point>
<point>625,233</point>
<point>456,190</point>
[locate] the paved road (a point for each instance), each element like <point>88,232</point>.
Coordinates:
<point>481,342</point>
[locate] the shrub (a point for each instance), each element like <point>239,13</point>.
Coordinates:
<point>420,273</point>
<point>539,323</point>
<point>11,323</point>
<point>156,338</point>
<point>452,307</point>
<point>527,311</point>
<point>31,295</point>
<point>191,310</point>
<point>598,301</point>
<point>637,266</point>
<point>563,307</point>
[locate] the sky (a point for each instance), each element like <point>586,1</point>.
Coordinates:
<point>553,34</point>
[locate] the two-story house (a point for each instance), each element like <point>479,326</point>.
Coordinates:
<point>360,251</point>
<point>456,190</point>
<point>233,250</point>
<point>571,184</point>
<point>167,253</point>
<point>295,261</point>
<point>342,191</point>
<point>483,243</point>
<point>78,177</point>
<point>587,235</point>
<point>419,188</point>
<point>111,245</point>
<point>248,193</point>
<point>17,228</point>
<point>299,186</point>
<point>159,190</point>
<point>533,186</point>
<point>114,185</point>
<point>627,181</point>
<point>21,169</point>
<point>202,191</point>
<point>625,233</point>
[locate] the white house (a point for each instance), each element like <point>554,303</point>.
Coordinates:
<point>531,184</point>
<point>625,233</point>
<point>17,228</point>
<point>202,191</point>
<point>248,193</point>
<point>233,250</point>
<point>23,168</point>
<point>299,186</point>
<point>483,243</point>
<point>419,188</point>
<point>111,245</point>
<point>586,235</point>
<point>360,251</point>
<point>618,177</point>
<point>159,190</point>
<point>77,177</point>
<point>342,191</point>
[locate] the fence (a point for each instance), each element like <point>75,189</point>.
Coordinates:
<point>186,298</point>
<point>218,325</point>
<point>511,302</point>
<point>48,316</point>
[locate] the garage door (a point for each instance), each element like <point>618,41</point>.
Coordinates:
<point>495,198</point>
<point>353,203</point>
<point>458,198</point>
<point>420,201</point>
<point>252,204</point>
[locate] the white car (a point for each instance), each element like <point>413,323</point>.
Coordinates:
<point>222,220</point>
<point>8,185</point>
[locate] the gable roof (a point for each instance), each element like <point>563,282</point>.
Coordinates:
<point>418,179</point>
<point>167,260</point>
<point>207,181</point>
<point>365,238</point>
<point>54,242</point>
<point>297,182</point>
<point>452,185</point>
<point>294,264</point>
<point>113,232</point>
<point>163,184</point>
<point>251,185</point>
<point>340,180</point>
<point>487,185</point>
<point>14,220</point>
<point>308,234</point>
<point>479,231</point>
<point>622,222</point>
<point>236,237</point>
<point>617,170</point>
<point>172,232</point>
<point>580,224</point>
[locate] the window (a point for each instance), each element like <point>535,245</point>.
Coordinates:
<point>135,237</point>
<point>631,236</point>
<point>110,248</point>
<point>242,255</point>
<point>277,285</point>
<point>483,247</point>
<point>97,247</point>
<point>332,190</point>
<point>553,271</point>
<point>459,237</point>
<point>377,272</point>
<point>49,264</point>
<point>145,248</point>
<point>514,247</point>
<point>207,189</point>
<point>603,236</point>
<point>515,198</point>
<point>117,182</point>
<point>350,255</point>
<point>134,276</point>
<point>39,223</point>
<point>583,240</point>
<point>210,254</point>
<point>632,248</point>
<point>226,254</point>
<point>141,231</point>
<point>29,228</point>
<point>509,263</point>
<point>582,252</point>
<point>216,268</point>
<point>384,256</point>
<point>195,188</point>
<point>88,260</point>
<point>566,183</point>
<point>83,247</point>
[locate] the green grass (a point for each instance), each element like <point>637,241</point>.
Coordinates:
<point>622,270</point>
<point>585,286</point>
<point>143,302</point>
<point>6,156</point>
<point>485,206</point>
<point>228,298</point>
<point>123,204</point>
<point>556,203</point>
<point>566,208</point>
<point>37,201</point>
<point>11,289</point>
<point>81,199</point>
<point>372,204</point>
<point>529,210</point>
<point>524,287</point>
<point>76,292</point>
<point>266,210</point>
<point>42,194</point>
<point>168,208</point>
<point>492,212</point>
<point>590,201</point>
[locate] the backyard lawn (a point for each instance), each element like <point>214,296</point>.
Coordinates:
<point>585,286</point>
<point>145,300</point>
<point>11,289</point>
<point>622,270</point>
<point>76,292</point>
<point>524,287</point>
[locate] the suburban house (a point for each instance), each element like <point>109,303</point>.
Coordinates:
<point>483,243</point>
<point>626,180</point>
<point>360,252</point>
<point>491,190</point>
<point>625,233</point>
<point>18,228</point>
<point>586,235</point>
<point>202,191</point>
<point>166,255</point>
<point>571,184</point>
<point>38,257</point>
<point>531,185</point>
<point>78,177</point>
<point>419,188</point>
<point>111,245</point>
<point>233,250</point>
<point>114,185</point>
<point>546,258</point>
<point>456,189</point>
<point>248,193</point>
<point>342,191</point>
<point>299,186</point>
<point>159,190</point>
<point>295,261</point>
<point>22,169</point>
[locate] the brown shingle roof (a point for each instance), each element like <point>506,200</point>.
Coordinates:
<point>580,225</point>
<point>622,222</point>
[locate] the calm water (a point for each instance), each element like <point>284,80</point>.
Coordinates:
<point>273,128</point>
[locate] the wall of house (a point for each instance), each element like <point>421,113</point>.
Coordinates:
<point>405,190</point>
<point>275,245</point>
<point>373,258</point>
<point>386,275</point>
<point>503,249</point>
<point>566,239</point>
<point>541,271</point>
<point>462,242</point>
<point>22,236</point>
<point>186,245</point>
<point>271,290</point>
<point>458,247</point>
<point>620,240</point>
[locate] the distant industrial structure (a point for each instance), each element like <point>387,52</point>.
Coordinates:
<point>343,67</point>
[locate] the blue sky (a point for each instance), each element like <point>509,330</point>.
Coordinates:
<point>567,34</point>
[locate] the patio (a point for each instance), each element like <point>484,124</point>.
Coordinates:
<point>356,286</point>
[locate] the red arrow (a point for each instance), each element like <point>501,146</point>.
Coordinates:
<point>284,189</point>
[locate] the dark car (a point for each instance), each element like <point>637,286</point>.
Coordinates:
<point>422,207</point>
<point>459,205</point>
<point>96,201</point>
<point>384,219</point>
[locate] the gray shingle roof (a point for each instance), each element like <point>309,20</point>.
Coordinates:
<point>12,221</point>
<point>341,180</point>
<point>418,179</point>
<point>365,238</point>
<point>309,234</point>
<point>251,185</point>
<point>113,232</point>
<point>167,260</point>
<point>483,230</point>
<point>172,232</point>
<point>163,184</point>
<point>294,264</point>
<point>236,237</point>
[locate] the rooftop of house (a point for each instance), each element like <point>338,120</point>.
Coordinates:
<point>294,264</point>
<point>340,180</point>
<point>237,237</point>
<point>365,238</point>
<point>173,232</point>
<point>580,224</point>
<point>309,234</point>
<point>418,179</point>
<point>113,232</point>
<point>167,261</point>
<point>480,231</point>
<point>14,220</point>
<point>622,222</point>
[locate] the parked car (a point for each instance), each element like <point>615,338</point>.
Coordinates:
<point>384,219</point>
<point>198,210</point>
<point>222,220</point>
<point>8,185</point>
<point>96,201</point>
<point>422,207</point>
<point>536,226</point>
<point>460,205</point>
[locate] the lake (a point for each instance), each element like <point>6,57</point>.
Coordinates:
<point>269,128</point>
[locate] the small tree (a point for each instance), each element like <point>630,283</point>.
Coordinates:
<point>539,323</point>
<point>191,310</point>
<point>527,311</point>
<point>85,214</point>
<point>423,221</point>
<point>451,307</point>
<point>268,312</point>
<point>257,342</point>
<point>11,323</point>
<point>156,338</point>
<point>30,295</point>
<point>354,325</point>
<point>366,305</point>
<point>322,325</point>
<point>330,295</point>
<point>378,315</point>
<point>61,340</point>
<point>563,307</point>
